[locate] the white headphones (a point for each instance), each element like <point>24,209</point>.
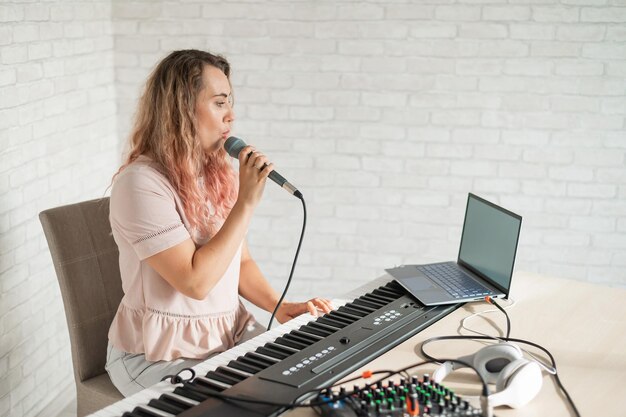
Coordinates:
<point>518,380</point>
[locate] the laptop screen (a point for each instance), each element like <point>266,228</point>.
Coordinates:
<point>489,241</point>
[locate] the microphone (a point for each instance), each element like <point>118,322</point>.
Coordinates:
<point>234,145</point>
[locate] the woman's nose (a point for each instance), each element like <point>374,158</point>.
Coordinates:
<point>230,116</point>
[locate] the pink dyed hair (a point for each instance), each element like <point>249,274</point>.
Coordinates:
<point>165,130</point>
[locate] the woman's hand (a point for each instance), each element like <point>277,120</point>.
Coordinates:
<point>254,168</point>
<point>288,311</point>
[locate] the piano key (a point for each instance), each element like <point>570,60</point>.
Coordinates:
<point>235,372</point>
<point>383,298</point>
<point>320,325</point>
<point>221,377</point>
<point>147,411</point>
<point>347,316</point>
<point>307,336</point>
<point>177,399</point>
<point>256,355</point>
<point>312,330</point>
<point>375,303</point>
<point>162,405</point>
<point>252,362</point>
<point>365,305</point>
<point>286,349</point>
<point>284,341</point>
<point>246,367</point>
<point>299,339</point>
<point>191,394</point>
<point>274,353</point>
<point>211,383</point>
<point>354,310</point>
<point>386,292</point>
<point>333,320</point>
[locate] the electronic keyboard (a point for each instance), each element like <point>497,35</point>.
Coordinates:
<point>290,363</point>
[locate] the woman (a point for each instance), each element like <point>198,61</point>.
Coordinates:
<point>179,215</point>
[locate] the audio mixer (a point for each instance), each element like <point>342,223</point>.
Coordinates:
<point>406,398</point>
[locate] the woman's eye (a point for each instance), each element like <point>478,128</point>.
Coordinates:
<point>221,103</point>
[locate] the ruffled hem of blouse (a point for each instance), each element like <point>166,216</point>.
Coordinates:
<point>167,336</point>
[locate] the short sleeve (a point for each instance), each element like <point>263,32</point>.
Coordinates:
<point>144,212</point>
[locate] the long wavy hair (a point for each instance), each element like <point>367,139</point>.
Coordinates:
<point>165,130</point>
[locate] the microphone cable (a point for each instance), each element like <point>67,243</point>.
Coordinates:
<point>295,261</point>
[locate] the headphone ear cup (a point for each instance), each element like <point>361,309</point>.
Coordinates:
<point>517,384</point>
<point>491,360</point>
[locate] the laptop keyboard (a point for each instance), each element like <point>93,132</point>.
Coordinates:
<point>454,281</point>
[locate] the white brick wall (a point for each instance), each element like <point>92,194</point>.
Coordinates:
<point>384,113</point>
<point>388,113</point>
<point>58,145</point>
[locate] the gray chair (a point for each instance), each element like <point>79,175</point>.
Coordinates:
<point>85,258</point>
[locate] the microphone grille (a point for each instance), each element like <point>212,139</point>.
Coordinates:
<point>233,146</point>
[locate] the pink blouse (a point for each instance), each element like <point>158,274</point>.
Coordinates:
<point>153,318</point>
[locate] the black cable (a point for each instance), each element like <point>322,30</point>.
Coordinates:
<point>295,260</point>
<point>508,321</point>
<point>503,339</point>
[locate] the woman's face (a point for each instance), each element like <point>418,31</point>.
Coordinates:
<point>214,111</point>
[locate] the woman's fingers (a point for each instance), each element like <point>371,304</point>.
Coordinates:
<point>319,304</point>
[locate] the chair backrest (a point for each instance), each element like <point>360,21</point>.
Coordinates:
<point>86,260</point>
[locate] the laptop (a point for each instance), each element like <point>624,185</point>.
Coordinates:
<point>484,266</point>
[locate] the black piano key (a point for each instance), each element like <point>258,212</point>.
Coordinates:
<point>377,298</point>
<point>286,349</point>
<point>235,373</point>
<point>140,411</point>
<point>351,317</point>
<point>187,392</point>
<point>307,336</point>
<point>383,298</point>
<point>387,293</point>
<point>270,360</point>
<point>171,399</point>
<point>334,315</point>
<point>246,367</point>
<point>274,353</point>
<point>299,338</point>
<point>252,362</point>
<point>373,300</point>
<point>222,377</point>
<point>364,309</point>
<point>164,406</point>
<point>363,303</point>
<point>296,344</point>
<point>312,330</point>
<point>322,326</point>
<point>353,311</point>
<point>394,286</point>
<point>331,322</point>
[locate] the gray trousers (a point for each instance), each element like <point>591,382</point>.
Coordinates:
<point>131,372</point>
